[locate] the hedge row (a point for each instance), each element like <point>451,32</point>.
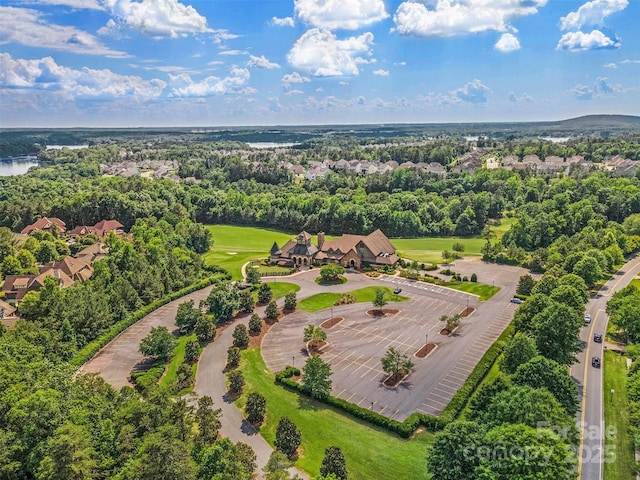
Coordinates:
<point>149,378</point>
<point>460,399</point>
<point>89,350</point>
<point>404,429</point>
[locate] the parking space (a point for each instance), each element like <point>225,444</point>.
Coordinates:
<point>359,341</point>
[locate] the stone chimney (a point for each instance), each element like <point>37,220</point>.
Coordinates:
<point>320,240</point>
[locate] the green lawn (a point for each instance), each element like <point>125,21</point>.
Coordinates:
<point>616,414</point>
<point>177,360</point>
<point>429,250</point>
<point>484,292</point>
<point>271,269</point>
<point>280,289</point>
<point>636,283</point>
<point>370,452</point>
<point>321,301</point>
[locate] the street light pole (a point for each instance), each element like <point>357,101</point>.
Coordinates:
<point>293,361</point>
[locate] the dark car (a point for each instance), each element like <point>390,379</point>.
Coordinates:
<point>397,290</point>
<point>517,300</point>
<point>597,337</point>
<point>595,361</point>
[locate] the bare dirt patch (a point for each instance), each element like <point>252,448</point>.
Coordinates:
<point>332,322</point>
<point>377,312</point>
<point>426,350</point>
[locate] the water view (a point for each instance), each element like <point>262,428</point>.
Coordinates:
<point>17,165</point>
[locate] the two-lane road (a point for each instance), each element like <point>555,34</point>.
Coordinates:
<point>591,416</point>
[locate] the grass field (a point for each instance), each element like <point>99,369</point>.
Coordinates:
<point>234,246</point>
<point>280,289</point>
<point>484,292</point>
<point>177,360</point>
<point>320,301</point>
<point>636,283</point>
<point>616,414</point>
<point>370,452</point>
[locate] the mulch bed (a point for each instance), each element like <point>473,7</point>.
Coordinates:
<point>376,312</point>
<point>446,331</point>
<point>256,340</point>
<point>426,350</point>
<point>394,380</point>
<point>467,311</point>
<point>316,349</point>
<point>331,322</point>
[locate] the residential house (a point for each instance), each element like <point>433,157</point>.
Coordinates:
<point>100,229</point>
<point>52,225</point>
<point>92,253</point>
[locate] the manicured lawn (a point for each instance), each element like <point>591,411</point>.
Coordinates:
<point>231,261</point>
<point>484,292</point>
<point>321,301</point>
<point>505,225</point>
<point>616,414</point>
<point>370,452</point>
<point>177,360</point>
<point>429,250</point>
<point>280,289</point>
<point>636,283</point>
<point>271,269</point>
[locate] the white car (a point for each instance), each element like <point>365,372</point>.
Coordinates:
<point>587,319</point>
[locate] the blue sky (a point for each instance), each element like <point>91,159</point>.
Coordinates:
<point>93,63</point>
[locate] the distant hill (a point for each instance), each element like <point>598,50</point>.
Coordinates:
<point>29,141</point>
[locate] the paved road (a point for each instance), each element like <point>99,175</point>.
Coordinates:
<point>115,361</point>
<point>591,418</point>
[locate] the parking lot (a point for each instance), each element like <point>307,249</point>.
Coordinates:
<point>357,343</point>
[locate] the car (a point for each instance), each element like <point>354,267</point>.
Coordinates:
<point>397,290</point>
<point>517,300</point>
<point>595,361</point>
<point>597,337</point>
<point>587,319</point>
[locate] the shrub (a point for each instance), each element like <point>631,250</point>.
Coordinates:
<point>290,301</point>
<point>191,351</point>
<point>233,357</point>
<point>240,336</point>
<point>205,329</point>
<point>465,279</point>
<point>272,311</point>
<point>474,277</point>
<point>236,381</point>
<point>264,293</point>
<point>255,408</point>
<point>288,437</point>
<point>255,324</point>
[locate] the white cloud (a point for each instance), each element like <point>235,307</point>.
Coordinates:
<point>261,62</point>
<point>77,4</point>
<point>580,41</point>
<point>294,92</point>
<point>232,52</point>
<point>27,27</point>
<point>321,54</point>
<point>46,74</point>
<point>401,64</point>
<point>184,86</point>
<point>294,77</point>
<point>282,22</point>
<point>592,13</point>
<point>624,62</point>
<point>222,35</point>
<point>157,18</point>
<point>600,87</point>
<point>473,92</point>
<point>381,73</point>
<point>507,43</point>
<point>522,98</point>
<point>340,14</point>
<point>610,65</point>
<point>455,17</point>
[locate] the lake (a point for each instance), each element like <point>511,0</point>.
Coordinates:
<point>17,165</point>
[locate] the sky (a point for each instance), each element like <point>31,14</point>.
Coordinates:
<point>154,63</point>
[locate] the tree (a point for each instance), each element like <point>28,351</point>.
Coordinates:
<point>288,437</point>
<point>253,276</point>
<point>69,455</point>
<point>208,419</point>
<point>223,301</point>
<point>46,252</point>
<point>556,332</point>
<point>333,463</point>
<point>540,372</point>
<point>187,316</point>
<point>272,311</point>
<point>452,322</point>
<point>569,296</point>
<point>446,256</point>
<point>240,336</point>
<point>255,324</point>
<point>525,285</point>
<point>264,293</point>
<point>458,248</point>
<point>246,301</point>
<point>379,300</point>
<point>331,272</point>
<point>163,456</point>
<point>576,282</point>
<point>396,364</point>
<point>547,455</point>
<point>316,375</point>
<point>184,377</point>
<point>159,343</point>
<point>290,301</point>
<point>7,243</point>
<point>589,270</point>
<point>27,262</point>
<point>191,351</point>
<point>236,381</point>
<point>546,285</point>
<point>205,329</point>
<point>314,336</point>
<point>519,350</point>
<point>276,467</point>
<point>225,461</point>
<point>10,266</point>
<point>523,318</point>
<point>255,408</point>
<point>452,454</point>
<point>233,358</point>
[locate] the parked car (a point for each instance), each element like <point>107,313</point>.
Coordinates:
<point>397,290</point>
<point>517,300</point>
<point>597,337</point>
<point>587,319</point>
<point>595,361</point>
